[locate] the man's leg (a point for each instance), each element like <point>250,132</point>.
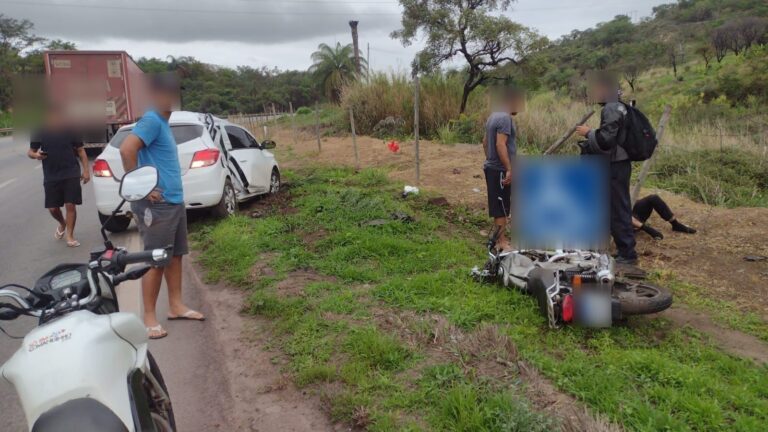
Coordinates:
<point>621,210</point>
<point>70,221</point>
<point>173,282</point>
<point>501,224</point>
<point>56,213</point>
<point>150,287</point>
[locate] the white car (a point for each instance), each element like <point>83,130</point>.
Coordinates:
<point>222,164</point>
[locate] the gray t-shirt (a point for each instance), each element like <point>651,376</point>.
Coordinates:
<point>499,123</point>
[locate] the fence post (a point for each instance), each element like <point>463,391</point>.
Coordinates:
<point>554,147</point>
<point>317,126</point>
<point>293,122</point>
<point>647,164</point>
<point>416,91</point>
<point>354,139</point>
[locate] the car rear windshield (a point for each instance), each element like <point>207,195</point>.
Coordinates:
<point>181,133</point>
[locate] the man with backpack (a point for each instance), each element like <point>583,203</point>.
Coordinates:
<point>624,136</point>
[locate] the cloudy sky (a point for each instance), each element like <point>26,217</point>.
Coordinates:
<point>280,33</point>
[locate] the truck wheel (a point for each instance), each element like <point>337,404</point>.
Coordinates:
<point>274,182</point>
<point>117,224</point>
<point>639,298</point>
<point>227,206</point>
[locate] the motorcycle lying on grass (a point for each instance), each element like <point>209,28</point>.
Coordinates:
<point>86,366</point>
<point>572,286</point>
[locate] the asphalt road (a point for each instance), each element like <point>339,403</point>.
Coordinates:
<point>187,357</point>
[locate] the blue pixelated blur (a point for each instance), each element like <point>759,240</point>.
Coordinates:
<point>561,203</point>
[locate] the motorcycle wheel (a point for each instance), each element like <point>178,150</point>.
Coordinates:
<point>640,298</point>
<point>164,421</point>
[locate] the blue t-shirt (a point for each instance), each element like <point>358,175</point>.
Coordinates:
<point>160,152</point>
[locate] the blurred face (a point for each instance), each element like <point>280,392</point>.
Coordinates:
<point>516,104</point>
<point>600,93</point>
<point>166,100</point>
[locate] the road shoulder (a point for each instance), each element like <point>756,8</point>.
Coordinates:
<point>259,396</point>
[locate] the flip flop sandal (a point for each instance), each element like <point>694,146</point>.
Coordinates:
<point>190,315</point>
<point>59,234</point>
<point>156,332</point>
<point>73,244</point>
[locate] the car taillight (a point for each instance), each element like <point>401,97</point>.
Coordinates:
<point>204,158</point>
<point>101,168</point>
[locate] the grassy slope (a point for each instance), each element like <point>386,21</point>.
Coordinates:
<point>646,375</point>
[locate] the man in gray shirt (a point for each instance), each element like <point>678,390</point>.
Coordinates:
<point>500,150</point>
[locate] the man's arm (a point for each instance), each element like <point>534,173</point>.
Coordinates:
<point>86,175</point>
<point>485,146</point>
<point>501,150</point>
<point>129,151</point>
<point>34,149</point>
<point>604,139</point>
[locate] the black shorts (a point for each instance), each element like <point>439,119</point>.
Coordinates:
<point>499,195</point>
<point>60,192</point>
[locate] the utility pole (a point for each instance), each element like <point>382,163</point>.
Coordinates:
<point>353,25</point>
<point>416,91</point>
<point>368,59</point>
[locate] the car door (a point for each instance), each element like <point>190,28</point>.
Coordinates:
<point>245,156</point>
<point>262,164</point>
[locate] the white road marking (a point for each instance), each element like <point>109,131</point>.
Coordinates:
<point>6,183</point>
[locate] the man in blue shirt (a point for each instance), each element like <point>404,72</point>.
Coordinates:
<point>162,216</point>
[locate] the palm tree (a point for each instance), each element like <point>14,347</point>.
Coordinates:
<point>335,67</point>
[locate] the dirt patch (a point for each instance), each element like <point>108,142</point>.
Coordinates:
<point>261,398</point>
<point>294,283</point>
<point>711,259</point>
<point>732,341</point>
<point>262,268</point>
<point>270,204</point>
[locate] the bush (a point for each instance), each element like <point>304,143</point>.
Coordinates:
<point>384,96</point>
<point>304,111</point>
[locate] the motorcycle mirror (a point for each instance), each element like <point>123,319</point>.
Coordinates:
<point>138,183</point>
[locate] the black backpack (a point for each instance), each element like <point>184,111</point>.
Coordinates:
<point>640,141</point>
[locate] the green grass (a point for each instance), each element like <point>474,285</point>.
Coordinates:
<point>729,177</point>
<point>6,120</point>
<point>646,375</point>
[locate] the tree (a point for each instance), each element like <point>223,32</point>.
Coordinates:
<point>335,67</point>
<point>15,36</point>
<point>720,43</point>
<point>750,30</point>
<point>705,52</point>
<point>470,29</point>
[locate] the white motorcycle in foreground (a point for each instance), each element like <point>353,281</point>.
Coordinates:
<point>86,367</point>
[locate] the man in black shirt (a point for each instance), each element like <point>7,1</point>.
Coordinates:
<point>59,151</point>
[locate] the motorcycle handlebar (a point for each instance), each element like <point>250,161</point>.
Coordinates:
<point>148,256</point>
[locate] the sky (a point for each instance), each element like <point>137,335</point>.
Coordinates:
<point>274,33</point>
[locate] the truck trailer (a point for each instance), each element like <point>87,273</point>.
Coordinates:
<point>109,83</point>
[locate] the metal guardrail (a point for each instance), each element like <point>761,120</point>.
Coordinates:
<point>6,130</point>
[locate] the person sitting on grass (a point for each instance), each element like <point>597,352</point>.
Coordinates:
<point>642,210</point>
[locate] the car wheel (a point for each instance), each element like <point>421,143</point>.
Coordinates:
<point>227,206</point>
<point>274,182</point>
<point>115,225</point>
